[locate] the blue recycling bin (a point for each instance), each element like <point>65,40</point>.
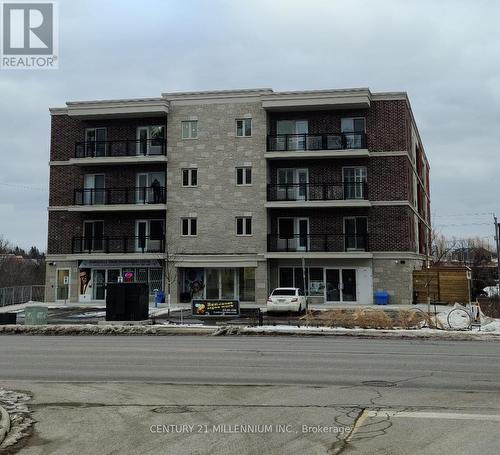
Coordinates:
<point>159,297</point>
<point>381,298</point>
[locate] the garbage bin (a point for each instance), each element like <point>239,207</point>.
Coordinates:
<point>159,297</point>
<point>127,302</point>
<point>381,298</point>
<point>35,315</point>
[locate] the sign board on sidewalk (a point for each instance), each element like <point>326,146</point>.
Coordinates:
<point>216,307</point>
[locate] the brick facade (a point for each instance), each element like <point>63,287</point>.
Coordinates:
<point>387,124</point>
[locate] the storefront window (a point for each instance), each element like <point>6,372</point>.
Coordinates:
<point>286,277</point>
<point>227,283</point>
<point>247,284</point>
<point>212,284</point>
<point>316,285</point>
<point>299,278</point>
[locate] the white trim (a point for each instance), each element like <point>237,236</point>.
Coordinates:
<point>189,226</point>
<point>319,255</point>
<point>329,203</point>
<point>135,159</point>
<point>330,154</point>
<point>244,225</point>
<point>107,208</point>
<point>244,120</point>
<point>190,129</point>
<point>189,171</point>
<point>244,175</point>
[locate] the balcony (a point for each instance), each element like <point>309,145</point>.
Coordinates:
<point>316,145</point>
<point>125,198</point>
<point>109,245</point>
<point>346,194</point>
<point>325,243</point>
<point>120,151</point>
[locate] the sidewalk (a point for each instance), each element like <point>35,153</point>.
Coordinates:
<point>163,308</point>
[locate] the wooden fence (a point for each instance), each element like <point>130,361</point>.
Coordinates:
<point>446,284</point>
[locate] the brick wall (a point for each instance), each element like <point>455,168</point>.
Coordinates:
<point>65,179</point>
<point>387,123</point>
<point>66,131</point>
<point>63,226</point>
<point>389,177</point>
<point>389,228</point>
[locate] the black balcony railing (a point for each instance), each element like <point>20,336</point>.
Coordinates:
<point>317,242</point>
<point>317,191</point>
<point>105,244</point>
<point>132,195</point>
<point>326,141</point>
<point>126,147</point>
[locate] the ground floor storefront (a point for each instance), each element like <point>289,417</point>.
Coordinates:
<point>85,281</point>
<point>325,280</point>
<point>249,279</point>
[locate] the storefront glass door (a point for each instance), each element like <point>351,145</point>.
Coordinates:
<point>332,288</point>
<point>99,281</point>
<point>340,285</point>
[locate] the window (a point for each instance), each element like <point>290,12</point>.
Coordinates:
<point>247,284</point>
<point>356,230</point>
<point>243,176</point>
<point>149,235</point>
<point>93,192</point>
<point>353,125</point>
<point>95,142</point>
<point>150,140</point>
<point>93,232</point>
<point>189,177</point>
<point>189,129</point>
<point>244,127</point>
<point>354,182</point>
<point>292,134</point>
<point>353,130</point>
<point>244,225</point>
<point>189,226</point>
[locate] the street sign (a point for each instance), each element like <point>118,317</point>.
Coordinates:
<point>66,280</point>
<point>216,308</point>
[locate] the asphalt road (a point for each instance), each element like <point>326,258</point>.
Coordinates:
<point>376,396</point>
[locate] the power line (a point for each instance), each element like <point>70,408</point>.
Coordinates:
<point>463,214</point>
<point>24,187</point>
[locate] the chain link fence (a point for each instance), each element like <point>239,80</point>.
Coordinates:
<point>21,294</point>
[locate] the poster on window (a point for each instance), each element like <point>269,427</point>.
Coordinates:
<point>85,286</point>
<point>194,283</point>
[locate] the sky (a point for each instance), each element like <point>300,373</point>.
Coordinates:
<point>445,54</point>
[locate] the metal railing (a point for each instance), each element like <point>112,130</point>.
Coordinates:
<point>317,242</point>
<point>117,244</point>
<point>325,141</point>
<point>21,294</point>
<point>127,195</point>
<point>317,191</point>
<point>125,147</point>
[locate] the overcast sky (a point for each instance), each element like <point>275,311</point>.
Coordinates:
<point>445,54</point>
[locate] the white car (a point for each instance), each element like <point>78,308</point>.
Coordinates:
<point>287,299</point>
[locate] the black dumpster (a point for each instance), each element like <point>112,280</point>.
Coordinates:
<point>7,318</point>
<point>127,302</point>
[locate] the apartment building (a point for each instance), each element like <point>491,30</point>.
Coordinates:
<point>232,193</point>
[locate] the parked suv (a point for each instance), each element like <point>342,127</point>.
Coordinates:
<point>287,299</point>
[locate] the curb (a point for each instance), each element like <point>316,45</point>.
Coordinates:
<point>159,330</point>
<point>4,424</point>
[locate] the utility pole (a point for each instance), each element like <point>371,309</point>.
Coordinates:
<point>497,240</point>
